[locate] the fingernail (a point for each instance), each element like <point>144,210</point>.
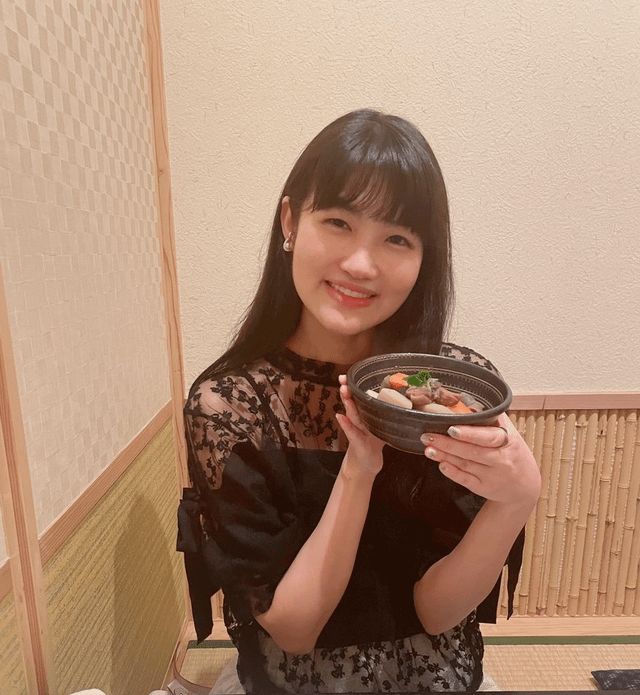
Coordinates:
<point>426,439</point>
<point>454,431</point>
<point>431,453</point>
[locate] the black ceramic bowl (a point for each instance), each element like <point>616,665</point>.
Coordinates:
<point>401,427</point>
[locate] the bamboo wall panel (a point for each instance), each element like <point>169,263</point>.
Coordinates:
<point>582,547</point>
<point>12,678</point>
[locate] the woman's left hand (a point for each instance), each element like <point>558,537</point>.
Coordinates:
<point>477,459</point>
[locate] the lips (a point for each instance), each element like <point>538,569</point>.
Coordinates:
<point>348,298</point>
<point>350,290</point>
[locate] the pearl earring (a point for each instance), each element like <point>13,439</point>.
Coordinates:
<point>288,243</point>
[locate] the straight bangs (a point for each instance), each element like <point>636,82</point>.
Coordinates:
<point>389,183</point>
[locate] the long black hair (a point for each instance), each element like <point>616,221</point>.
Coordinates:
<point>375,163</point>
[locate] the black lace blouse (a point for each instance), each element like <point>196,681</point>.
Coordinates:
<point>264,452</point>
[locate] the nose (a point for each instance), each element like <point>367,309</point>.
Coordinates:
<point>360,264</point>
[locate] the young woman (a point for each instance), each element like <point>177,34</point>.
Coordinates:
<point>346,565</point>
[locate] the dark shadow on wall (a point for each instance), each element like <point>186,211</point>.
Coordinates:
<point>147,605</point>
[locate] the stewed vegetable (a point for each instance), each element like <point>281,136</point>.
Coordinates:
<point>423,392</point>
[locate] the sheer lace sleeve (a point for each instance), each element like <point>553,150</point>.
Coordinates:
<point>461,352</point>
<point>249,502</point>
<point>219,415</point>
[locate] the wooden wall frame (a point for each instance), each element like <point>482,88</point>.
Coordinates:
<point>19,520</point>
<point>165,228</point>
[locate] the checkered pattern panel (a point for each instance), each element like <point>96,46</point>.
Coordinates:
<point>78,236</point>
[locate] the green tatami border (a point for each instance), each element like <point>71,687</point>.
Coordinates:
<point>211,644</point>
<point>492,640</point>
<point>564,639</point>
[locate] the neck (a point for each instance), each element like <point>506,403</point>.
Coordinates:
<point>325,347</point>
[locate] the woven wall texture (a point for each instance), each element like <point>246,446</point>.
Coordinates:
<point>11,669</point>
<point>78,237</point>
<point>114,594</point>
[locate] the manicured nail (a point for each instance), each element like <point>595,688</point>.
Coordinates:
<point>454,431</point>
<point>426,439</point>
<point>431,453</point>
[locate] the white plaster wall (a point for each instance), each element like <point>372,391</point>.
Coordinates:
<point>533,110</point>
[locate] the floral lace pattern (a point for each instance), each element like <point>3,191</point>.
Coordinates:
<point>419,663</point>
<point>302,393</point>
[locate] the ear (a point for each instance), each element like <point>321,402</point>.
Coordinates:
<point>286,217</point>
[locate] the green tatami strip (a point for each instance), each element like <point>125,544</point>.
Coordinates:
<point>565,639</point>
<point>529,639</point>
<point>211,644</point>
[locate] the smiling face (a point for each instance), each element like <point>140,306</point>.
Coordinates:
<point>352,272</point>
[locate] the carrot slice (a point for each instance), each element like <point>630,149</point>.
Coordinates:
<point>460,408</point>
<point>398,381</point>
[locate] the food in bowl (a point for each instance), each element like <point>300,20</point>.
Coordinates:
<point>402,427</point>
<point>423,392</point>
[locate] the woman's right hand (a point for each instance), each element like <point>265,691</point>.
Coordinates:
<point>364,455</point>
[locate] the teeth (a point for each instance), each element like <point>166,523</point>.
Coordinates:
<point>350,293</point>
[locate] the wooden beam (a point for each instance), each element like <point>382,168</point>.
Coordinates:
<point>527,625</point>
<point>615,400</point>
<point>169,273</point>
<point>19,520</point>
<point>165,229</point>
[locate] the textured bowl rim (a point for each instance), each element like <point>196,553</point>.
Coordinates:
<point>419,415</point>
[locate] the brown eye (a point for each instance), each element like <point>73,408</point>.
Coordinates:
<point>398,240</point>
<point>336,222</point>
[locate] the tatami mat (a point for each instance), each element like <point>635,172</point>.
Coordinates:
<point>203,664</point>
<point>555,666</point>
<point>512,666</point>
